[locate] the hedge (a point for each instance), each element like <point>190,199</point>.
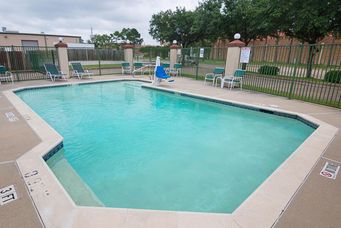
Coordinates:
<point>333,76</point>
<point>268,70</point>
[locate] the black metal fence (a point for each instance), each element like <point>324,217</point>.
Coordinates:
<point>199,61</point>
<point>27,63</point>
<point>100,61</point>
<point>305,72</point>
<point>148,54</point>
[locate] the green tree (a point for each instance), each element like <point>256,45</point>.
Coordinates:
<point>309,21</point>
<point>113,40</point>
<point>246,17</point>
<point>128,35</point>
<point>169,25</point>
<point>101,41</point>
<point>209,21</point>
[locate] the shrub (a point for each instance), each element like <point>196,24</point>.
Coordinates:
<point>268,70</point>
<point>333,76</point>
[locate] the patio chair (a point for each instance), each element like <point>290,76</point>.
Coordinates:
<point>78,70</point>
<point>5,75</point>
<point>138,68</point>
<point>217,72</point>
<point>126,68</point>
<point>176,70</point>
<point>52,72</point>
<point>166,66</point>
<point>236,79</point>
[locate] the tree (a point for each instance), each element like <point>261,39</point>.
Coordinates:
<point>309,21</point>
<point>128,35</point>
<point>101,41</point>
<point>209,20</point>
<point>169,25</point>
<point>113,40</point>
<point>246,17</point>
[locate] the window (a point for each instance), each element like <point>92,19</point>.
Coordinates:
<point>29,43</point>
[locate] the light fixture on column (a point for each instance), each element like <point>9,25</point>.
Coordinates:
<point>236,36</point>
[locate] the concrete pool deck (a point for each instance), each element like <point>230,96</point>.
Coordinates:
<point>316,204</point>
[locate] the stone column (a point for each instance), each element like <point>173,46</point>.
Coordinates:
<point>173,55</point>
<point>63,59</point>
<point>233,56</point>
<point>128,53</point>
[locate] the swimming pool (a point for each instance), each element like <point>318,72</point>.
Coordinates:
<point>140,148</point>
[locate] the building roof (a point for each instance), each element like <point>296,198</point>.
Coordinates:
<point>37,34</point>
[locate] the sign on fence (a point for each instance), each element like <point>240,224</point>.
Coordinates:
<point>201,53</point>
<point>245,54</point>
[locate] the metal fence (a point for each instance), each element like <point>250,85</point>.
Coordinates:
<point>100,61</point>
<point>199,61</point>
<point>27,63</point>
<point>148,54</point>
<point>305,72</point>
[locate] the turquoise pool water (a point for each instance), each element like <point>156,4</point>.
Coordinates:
<point>133,147</point>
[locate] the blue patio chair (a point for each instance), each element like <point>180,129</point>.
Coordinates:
<point>161,74</point>
<point>52,72</point>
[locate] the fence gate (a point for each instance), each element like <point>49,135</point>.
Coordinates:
<point>27,63</point>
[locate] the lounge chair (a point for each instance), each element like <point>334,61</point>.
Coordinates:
<point>176,70</point>
<point>5,75</point>
<point>217,72</point>
<point>236,79</point>
<point>79,71</point>
<point>126,68</point>
<point>52,72</point>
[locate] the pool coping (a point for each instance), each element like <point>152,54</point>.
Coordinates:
<point>263,207</point>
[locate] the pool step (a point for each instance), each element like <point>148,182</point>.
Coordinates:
<point>71,181</point>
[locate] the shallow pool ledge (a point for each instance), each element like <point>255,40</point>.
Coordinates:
<point>262,208</point>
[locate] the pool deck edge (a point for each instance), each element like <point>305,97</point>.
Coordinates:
<point>57,209</point>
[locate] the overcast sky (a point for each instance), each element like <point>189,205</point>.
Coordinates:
<point>76,17</point>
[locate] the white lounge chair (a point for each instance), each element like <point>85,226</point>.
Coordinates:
<point>79,71</point>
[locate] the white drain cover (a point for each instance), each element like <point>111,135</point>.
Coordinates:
<point>330,170</point>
